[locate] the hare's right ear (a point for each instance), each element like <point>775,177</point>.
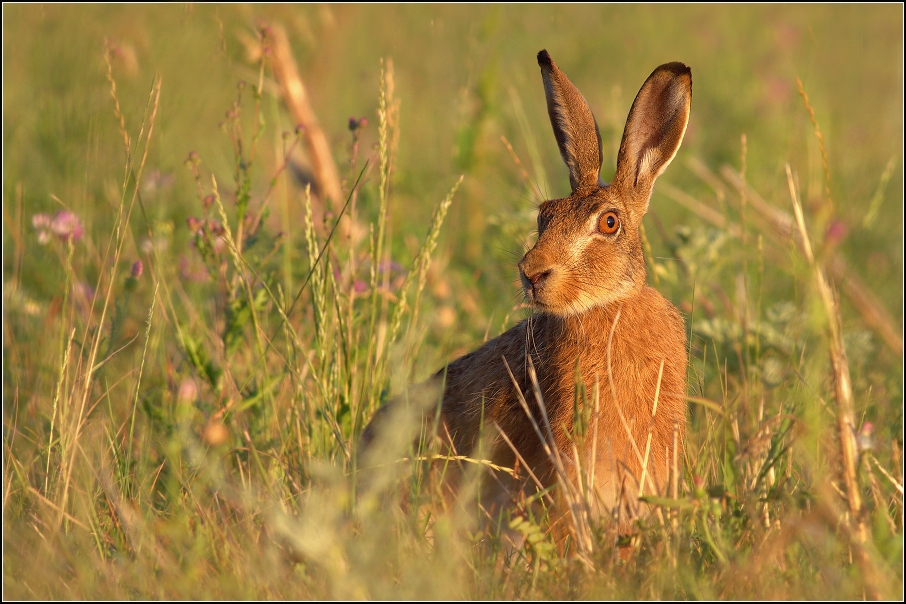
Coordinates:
<point>574,125</point>
<point>654,131</point>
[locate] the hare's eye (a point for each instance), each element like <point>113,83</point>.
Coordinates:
<point>609,223</point>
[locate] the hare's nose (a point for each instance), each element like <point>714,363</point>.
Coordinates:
<point>538,279</point>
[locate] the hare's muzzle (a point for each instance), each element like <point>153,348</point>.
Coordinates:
<point>533,280</point>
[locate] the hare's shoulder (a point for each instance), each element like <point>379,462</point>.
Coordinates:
<point>485,367</point>
<point>658,312</point>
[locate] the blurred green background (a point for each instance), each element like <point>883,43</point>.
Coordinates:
<point>465,75</point>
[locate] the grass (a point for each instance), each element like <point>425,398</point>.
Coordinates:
<point>193,341</point>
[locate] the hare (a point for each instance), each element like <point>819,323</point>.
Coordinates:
<point>600,344</point>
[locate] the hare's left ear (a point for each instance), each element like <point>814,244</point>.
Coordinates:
<point>654,131</point>
<point>574,125</point>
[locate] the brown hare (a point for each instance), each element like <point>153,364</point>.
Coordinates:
<point>600,344</point>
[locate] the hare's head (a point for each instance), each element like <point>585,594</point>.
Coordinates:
<point>588,251</point>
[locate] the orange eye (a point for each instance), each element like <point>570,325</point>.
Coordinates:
<point>609,223</point>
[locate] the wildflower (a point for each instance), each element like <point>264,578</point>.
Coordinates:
<point>65,225</point>
<point>136,272</point>
<point>864,439</point>
<point>836,231</point>
<point>216,227</point>
<point>41,223</point>
<point>356,124</point>
<point>699,483</point>
<point>188,391</point>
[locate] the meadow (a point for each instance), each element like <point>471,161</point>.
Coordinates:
<point>231,233</point>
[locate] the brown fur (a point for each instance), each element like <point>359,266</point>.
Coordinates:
<point>595,320</point>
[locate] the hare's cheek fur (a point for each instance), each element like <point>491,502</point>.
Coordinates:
<point>574,267</point>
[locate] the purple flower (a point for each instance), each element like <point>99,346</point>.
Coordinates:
<point>137,269</point>
<point>67,225</point>
<point>216,227</point>
<point>64,225</point>
<point>195,225</point>
<point>836,231</point>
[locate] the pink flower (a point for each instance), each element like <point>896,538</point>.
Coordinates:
<point>195,224</point>
<point>64,225</point>
<point>41,223</point>
<point>864,439</point>
<point>67,225</point>
<point>836,231</point>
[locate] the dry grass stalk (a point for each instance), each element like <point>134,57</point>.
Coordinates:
<point>296,97</point>
<point>820,137</point>
<point>657,392</point>
<point>127,143</point>
<point>700,209</point>
<point>575,504</point>
<point>780,227</point>
<point>327,177</point>
<point>846,422</point>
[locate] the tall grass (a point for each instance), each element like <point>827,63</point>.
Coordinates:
<point>183,422</point>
